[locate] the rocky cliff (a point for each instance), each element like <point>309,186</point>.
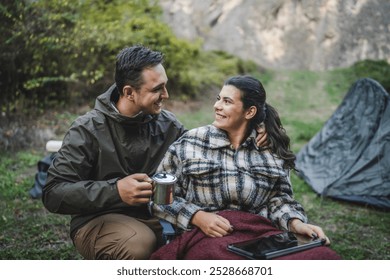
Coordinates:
<point>287,34</point>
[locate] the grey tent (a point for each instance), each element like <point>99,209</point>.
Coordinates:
<point>349,158</point>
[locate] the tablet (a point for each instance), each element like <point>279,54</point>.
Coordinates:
<point>274,246</point>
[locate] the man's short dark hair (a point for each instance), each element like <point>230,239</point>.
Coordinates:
<point>130,63</point>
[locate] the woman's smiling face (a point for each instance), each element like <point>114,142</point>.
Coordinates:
<point>229,112</point>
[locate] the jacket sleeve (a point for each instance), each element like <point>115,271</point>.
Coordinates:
<point>69,188</point>
<point>180,212</point>
<point>282,206</point>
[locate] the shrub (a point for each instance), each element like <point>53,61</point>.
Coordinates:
<point>378,70</point>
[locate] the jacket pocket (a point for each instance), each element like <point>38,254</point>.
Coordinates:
<point>268,171</point>
<point>203,172</point>
<point>204,180</point>
<point>199,167</point>
<point>266,176</point>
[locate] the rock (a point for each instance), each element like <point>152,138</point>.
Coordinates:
<point>287,34</point>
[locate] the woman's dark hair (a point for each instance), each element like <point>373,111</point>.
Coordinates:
<point>130,62</point>
<point>253,94</point>
<point>277,138</point>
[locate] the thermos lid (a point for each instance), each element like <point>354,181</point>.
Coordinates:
<point>164,178</point>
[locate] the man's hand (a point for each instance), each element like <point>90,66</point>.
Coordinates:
<point>212,224</point>
<point>261,138</point>
<point>135,189</point>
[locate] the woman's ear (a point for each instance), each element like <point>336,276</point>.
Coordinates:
<point>251,112</point>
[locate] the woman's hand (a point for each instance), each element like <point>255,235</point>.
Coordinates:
<point>211,224</point>
<point>297,226</point>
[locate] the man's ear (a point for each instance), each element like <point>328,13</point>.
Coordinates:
<point>251,112</point>
<point>128,92</point>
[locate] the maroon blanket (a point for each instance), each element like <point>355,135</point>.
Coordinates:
<point>195,245</point>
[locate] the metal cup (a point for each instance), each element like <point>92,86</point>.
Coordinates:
<point>164,188</point>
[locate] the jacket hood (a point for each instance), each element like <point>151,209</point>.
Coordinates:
<point>105,103</point>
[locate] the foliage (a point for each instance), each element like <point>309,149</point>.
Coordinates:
<point>127,23</point>
<point>35,50</point>
<point>54,49</point>
<point>342,78</point>
<point>377,70</point>
<point>210,69</point>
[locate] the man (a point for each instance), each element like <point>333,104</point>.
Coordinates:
<point>101,175</point>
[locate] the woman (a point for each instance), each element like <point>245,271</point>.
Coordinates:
<point>218,167</point>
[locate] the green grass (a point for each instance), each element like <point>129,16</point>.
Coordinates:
<point>304,99</point>
<point>357,232</point>
<point>28,231</point>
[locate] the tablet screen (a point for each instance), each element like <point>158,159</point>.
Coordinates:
<point>274,245</point>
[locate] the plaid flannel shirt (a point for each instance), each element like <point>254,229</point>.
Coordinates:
<point>211,176</point>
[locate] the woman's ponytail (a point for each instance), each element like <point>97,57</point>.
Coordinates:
<point>278,140</point>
